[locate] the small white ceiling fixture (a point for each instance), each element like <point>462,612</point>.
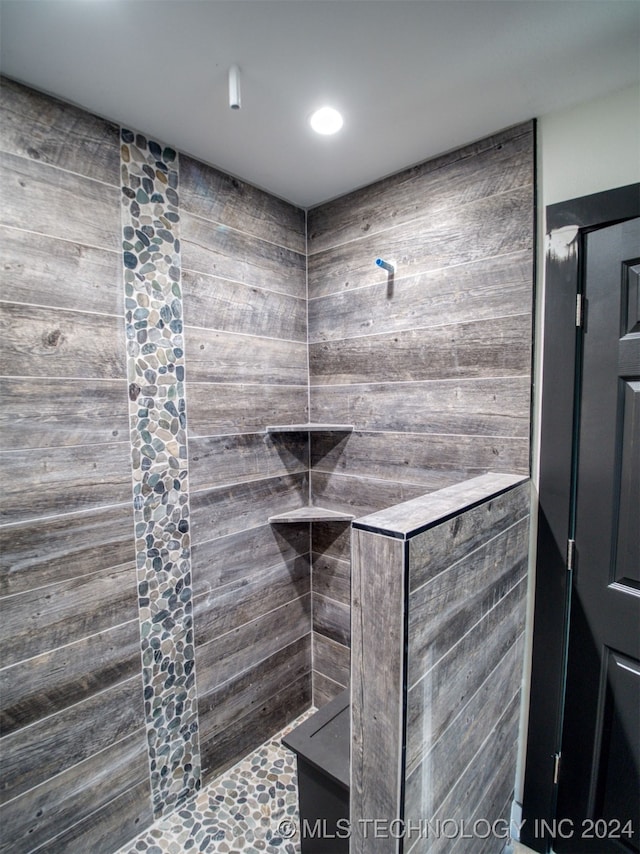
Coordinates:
<point>326,121</point>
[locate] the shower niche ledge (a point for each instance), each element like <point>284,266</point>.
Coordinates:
<point>310,513</point>
<point>310,428</point>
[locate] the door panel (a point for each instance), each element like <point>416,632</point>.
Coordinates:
<point>599,765</point>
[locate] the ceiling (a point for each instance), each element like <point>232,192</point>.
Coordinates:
<point>413,78</point>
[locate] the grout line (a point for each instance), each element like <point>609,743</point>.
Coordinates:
<point>414,383</point>
<point>410,329</point>
<point>66,581</point>
<point>500,601</point>
<point>219,331</point>
<point>63,308</point>
<point>248,623</point>
<point>60,169</point>
<point>426,272</point>
<point>241,282</point>
<point>425,217</point>
<point>226,227</point>
<point>73,513</point>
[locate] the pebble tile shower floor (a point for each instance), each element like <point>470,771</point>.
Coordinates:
<point>252,807</point>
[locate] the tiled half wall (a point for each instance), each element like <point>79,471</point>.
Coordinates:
<point>438,616</point>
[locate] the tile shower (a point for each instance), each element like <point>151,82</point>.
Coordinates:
<point>157,315</point>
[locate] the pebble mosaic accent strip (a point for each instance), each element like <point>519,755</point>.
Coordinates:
<point>252,807</point>
<point>155,365</point>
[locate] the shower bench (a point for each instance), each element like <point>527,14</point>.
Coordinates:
<point>322,746</point>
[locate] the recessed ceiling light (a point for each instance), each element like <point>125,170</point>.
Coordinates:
<point>326,120</point>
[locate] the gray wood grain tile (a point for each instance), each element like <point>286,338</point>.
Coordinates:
<point>78,413</point>
<point>81,792</point>
<point>215,357</point>
<point>50,201</point>
<point>52,481</point>
<point>489,407</point>
<point>331,659</point>
<point>431,460</point>
<point>480,290</point>
<point>500,224</point>
<point>496,164</point>
<point>324,689</point>
<point>49,682</point>
<point>212,194</point>
<point>40,342</point>
<point>332,619</point>
<point>332,577</point>
<point>219,251</point>
<point>45,271</point>
<point>38,552</point>
<point>220,408</point>
<point>50,746</point>
<point>224,459</point>
<point>463,350</point>
<point>224,510</point>
<point>240,649</point>
<point>233,307</point>
<point>222,611</point>
<point>55,133</point>
<point>331,539</point>
<point>377,647</point>
<point>48,617</point>
<point>227,559</point>
<point>359,495</point>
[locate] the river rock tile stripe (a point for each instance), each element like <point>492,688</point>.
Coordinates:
<point>157,409</point>
<point>243,810</point>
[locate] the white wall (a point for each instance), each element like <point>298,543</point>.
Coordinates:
<point>592,147</point>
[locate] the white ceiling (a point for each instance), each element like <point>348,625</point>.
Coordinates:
<point>413,78</point>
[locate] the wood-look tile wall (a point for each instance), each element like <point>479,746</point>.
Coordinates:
<point>75,769</point>
<point>244,293</point>
<point>75,756</point>
<point>439,609</point>
<point>432,364</point>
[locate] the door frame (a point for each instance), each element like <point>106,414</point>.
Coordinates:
<point>566,224</point>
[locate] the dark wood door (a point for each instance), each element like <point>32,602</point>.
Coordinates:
<point>598,807</point>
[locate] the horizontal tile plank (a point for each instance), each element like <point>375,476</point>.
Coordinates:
<point>496,164</point>
<point>222,611</point>
<point>332,619</point>
<point>331,659</point>
<point>224,459</point>
<point>499,225</point>
<point>52,481</point>
<point>232,307</point>
<point>224,510</point>
<point>61,677</point>
<point>486,407</point>
<point>332,577</point>
<point>432,460</point>
<point>216,196</point>
<point>35,415</point>
<point>219,707</point>
<point>480,290</point>
<point>81,792</point>
<point>42,342</point>
<point>43,270</point>
<point>331,538</point>
<point>219,251</point>
<point>39,198</point>
<point>443,545</point>
<point>227,559</point>
<point>215,357</point>
<point>443,609</point>
<point>50,746</point>
<point>360,495</point>
<point>250,731</point>
<point>43,551</point>
<point>501,347</point>
<point>55,133</point>
<point>324,689</point>
<point>462,670</point>
<point>219,408</point>
<point>246,645</point>
<point>49,617</point>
